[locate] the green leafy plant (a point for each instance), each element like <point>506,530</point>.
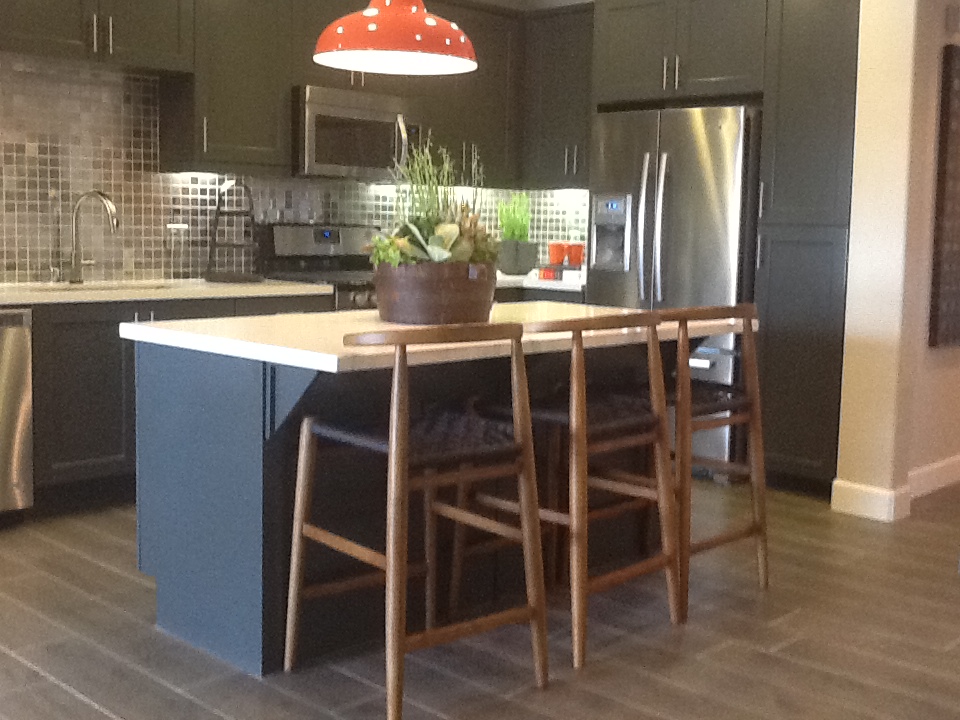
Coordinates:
<point>515,217</point>
<point>432,226</point>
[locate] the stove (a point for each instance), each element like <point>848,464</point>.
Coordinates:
<point>323,254</point>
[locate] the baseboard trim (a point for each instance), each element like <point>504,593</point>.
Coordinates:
<point>930,478</point>
<point>868,501</point>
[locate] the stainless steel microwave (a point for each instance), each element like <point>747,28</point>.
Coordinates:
<point>350,134</point>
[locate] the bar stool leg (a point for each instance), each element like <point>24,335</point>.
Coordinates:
<point>430,556</point>
<point>396,550</point>
<point>758,475</point>
<point>683,469</point>
<point>579,578</point>
<point>554,448</point>
<point>459,551</point>
<point>306,463</point>
<point>530,518</point>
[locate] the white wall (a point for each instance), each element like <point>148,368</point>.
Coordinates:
<point>934,455</point>
<point>900,410</point>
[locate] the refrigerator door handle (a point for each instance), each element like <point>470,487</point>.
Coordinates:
<point>642,226</point>
<point>658,228</point>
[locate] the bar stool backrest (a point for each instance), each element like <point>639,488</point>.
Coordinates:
<point>438,335</point>
<point>628,320</point>
<point>740,317</point>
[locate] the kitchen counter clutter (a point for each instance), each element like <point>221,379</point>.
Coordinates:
<point>21,294</point>
<point>219,406</point>
<point>532,281</point>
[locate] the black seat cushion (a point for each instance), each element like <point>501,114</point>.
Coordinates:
<point>439,438</point>
<point>608,413</point>
<point>709,398</point>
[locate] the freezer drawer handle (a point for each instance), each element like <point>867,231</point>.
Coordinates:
<point>658,228</point>
<point>641,225</point>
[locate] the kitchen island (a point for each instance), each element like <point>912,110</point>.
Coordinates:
<point>219,403</point>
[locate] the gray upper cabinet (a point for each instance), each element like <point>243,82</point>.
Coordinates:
<point>809,112</point>
<point>632,49</point>
<point>149,34</point>
<point>720,47</point>
<point>234,113</point>
<point>479,110</point>
<point>140,34</point>
<point>557,98</point>
<point>58,28</point>
<point>649,50</point>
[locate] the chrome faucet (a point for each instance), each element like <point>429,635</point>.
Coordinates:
<point>76,260</point>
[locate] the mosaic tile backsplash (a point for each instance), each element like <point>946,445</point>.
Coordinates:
<point>66,128</point>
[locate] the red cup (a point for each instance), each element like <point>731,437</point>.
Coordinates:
<point>575,254</point>
<point>558,252</point>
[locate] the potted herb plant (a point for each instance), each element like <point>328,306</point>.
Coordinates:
<point>518,255</point>
<point>439,265</point>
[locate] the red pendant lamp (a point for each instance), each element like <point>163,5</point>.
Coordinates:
<point>396,37</point>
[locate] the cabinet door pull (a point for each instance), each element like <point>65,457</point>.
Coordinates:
<point>206,129</point>
<point>676,73</point>
<point>151,316</point>
<point>110,34</point>
<point>136,317</point>
<point>576,152</point>
<point>666,63</point>
<point>566,160</point>
<point>363,79</point>
<point>96,33</point>
<point>760,206</point>
<point>759,259</point>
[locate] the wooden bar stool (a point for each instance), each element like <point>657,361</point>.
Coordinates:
<point>702,405</point>
<point>444,449</point>
<point>605,423</point>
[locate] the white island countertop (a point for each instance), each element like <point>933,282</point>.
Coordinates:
<point>315,341</point>
<point>23,294</point>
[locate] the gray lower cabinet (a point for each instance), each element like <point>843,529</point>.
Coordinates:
<point>557,98</point>
<point>82,392</point>
<point>809,112</point>
<point>801,291</point>
<point>84,383</point>
<point>651,50</point>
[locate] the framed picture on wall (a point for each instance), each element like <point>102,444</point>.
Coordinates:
<point>945,288</point>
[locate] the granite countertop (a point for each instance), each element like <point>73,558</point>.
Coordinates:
<point>23,294</point>
<point>315,341</point>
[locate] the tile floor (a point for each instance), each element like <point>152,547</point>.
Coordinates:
<point>862,620</point>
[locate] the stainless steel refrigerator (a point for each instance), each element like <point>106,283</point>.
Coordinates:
<point>673,220</point>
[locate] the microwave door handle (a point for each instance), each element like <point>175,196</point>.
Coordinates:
<point>642,225</point>
<point>404,141</point>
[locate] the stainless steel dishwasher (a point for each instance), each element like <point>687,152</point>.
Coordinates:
<point>16,411</point>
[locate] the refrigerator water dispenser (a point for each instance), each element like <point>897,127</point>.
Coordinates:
<point>610,244</point>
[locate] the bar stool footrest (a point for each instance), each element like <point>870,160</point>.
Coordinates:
<point>724,538</point>
<point>468,628</point>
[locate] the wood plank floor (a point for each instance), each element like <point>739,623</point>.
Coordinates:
<point>861,621</point>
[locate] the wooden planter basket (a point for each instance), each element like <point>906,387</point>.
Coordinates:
<point>436,293</point>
